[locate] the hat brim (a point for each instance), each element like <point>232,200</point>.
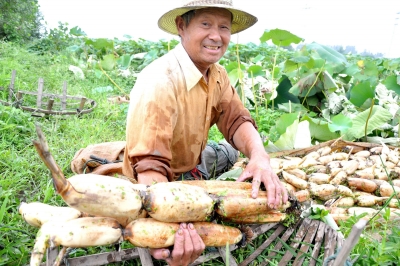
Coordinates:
<point>241,20</point>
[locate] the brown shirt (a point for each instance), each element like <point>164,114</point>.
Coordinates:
<point>171,110</point>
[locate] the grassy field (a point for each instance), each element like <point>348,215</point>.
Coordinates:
<point>24,178</point>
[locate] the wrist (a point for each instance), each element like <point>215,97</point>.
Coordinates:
<point>150,177</point>
<point>259,154</point>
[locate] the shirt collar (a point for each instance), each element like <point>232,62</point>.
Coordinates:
<point>190,72</point>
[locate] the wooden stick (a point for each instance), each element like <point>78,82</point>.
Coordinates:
<point>64,97</point>
<point>308,239</point>
<point>350,242</point>
<point>82,104</point>
<point>228,261</point>
<point>39,94</point>
<point>60,256</point>
<point>51,256</point>
<point>263,246</point>
<point>145,256</point>
<point>103,258</point>
<point>330,242</point>
<point>318,244</point>
<point>50,104</point>
<point>279,245</point>
<point>19,99</point>
<point>296,241</point>
<point>11,87</point>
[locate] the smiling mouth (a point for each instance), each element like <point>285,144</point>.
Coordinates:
<point>212,47</point>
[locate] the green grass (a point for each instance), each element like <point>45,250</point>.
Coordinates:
<point>379,242</point>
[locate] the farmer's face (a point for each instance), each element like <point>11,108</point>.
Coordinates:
<point>207,36</point>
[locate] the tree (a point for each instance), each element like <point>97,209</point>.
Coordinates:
<point>20,20</point>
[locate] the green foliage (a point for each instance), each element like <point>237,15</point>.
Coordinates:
<point>336,61</point>
<point>321,130</point>
<point>340,123</point>
<point>56,40</point>
<point>318,214</point>
<point>285,121</point>
<point>393,83</point>
<point>296,135</point>
<point>280,37</point>
<point>379,116</point>
<point>307,86</point>
<point>323,81</point>
<point>361,92</point>
<point>379,242</point>
<point>265,120</point>
<point>14,125</point>
<point>284,95</point>
<point>20,20</point>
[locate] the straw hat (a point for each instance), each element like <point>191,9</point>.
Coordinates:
<point>241,20</point>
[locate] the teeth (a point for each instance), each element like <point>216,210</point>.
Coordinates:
<point>212,47</point>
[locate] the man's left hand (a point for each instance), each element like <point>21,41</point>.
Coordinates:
<point>260,170</point>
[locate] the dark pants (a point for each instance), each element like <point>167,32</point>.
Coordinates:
<point>216,159</point>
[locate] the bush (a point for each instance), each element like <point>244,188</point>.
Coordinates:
<point>58,39</point>
<point>20,20</point>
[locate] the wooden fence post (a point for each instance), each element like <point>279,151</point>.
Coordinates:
<point>40,93</point>
<point>11,87</point>
<point>64,97</point>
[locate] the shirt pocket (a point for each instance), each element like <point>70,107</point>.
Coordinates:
<point>216,112</point>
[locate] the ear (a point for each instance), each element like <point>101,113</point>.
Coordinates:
<point>180,25</point>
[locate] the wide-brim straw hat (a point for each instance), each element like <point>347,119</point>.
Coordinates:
<point>241,20</point>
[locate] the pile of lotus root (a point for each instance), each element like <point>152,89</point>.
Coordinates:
<point>349,179</point>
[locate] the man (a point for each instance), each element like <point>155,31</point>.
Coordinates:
<point>175,101</point>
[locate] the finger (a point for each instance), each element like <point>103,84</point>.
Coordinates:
<point>271,193</point>
<point>285,195</point>
<point>159,253</point>
<point>198,244</point>
<point>188,239</point>
<point>178,251</point>
<point>188,245</point>
<point>255,186</point>
<point>278,194</point>
<point>246,174</point>
<point>281,191</point>
<point>281,194</point>
<point>183,247</point>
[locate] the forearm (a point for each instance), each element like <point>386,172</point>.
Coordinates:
<point>150,177</point>
<point>248,141</point>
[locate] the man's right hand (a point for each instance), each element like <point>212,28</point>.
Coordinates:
<point>188,247</point>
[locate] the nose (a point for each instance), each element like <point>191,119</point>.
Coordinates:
<point>215,34</point>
